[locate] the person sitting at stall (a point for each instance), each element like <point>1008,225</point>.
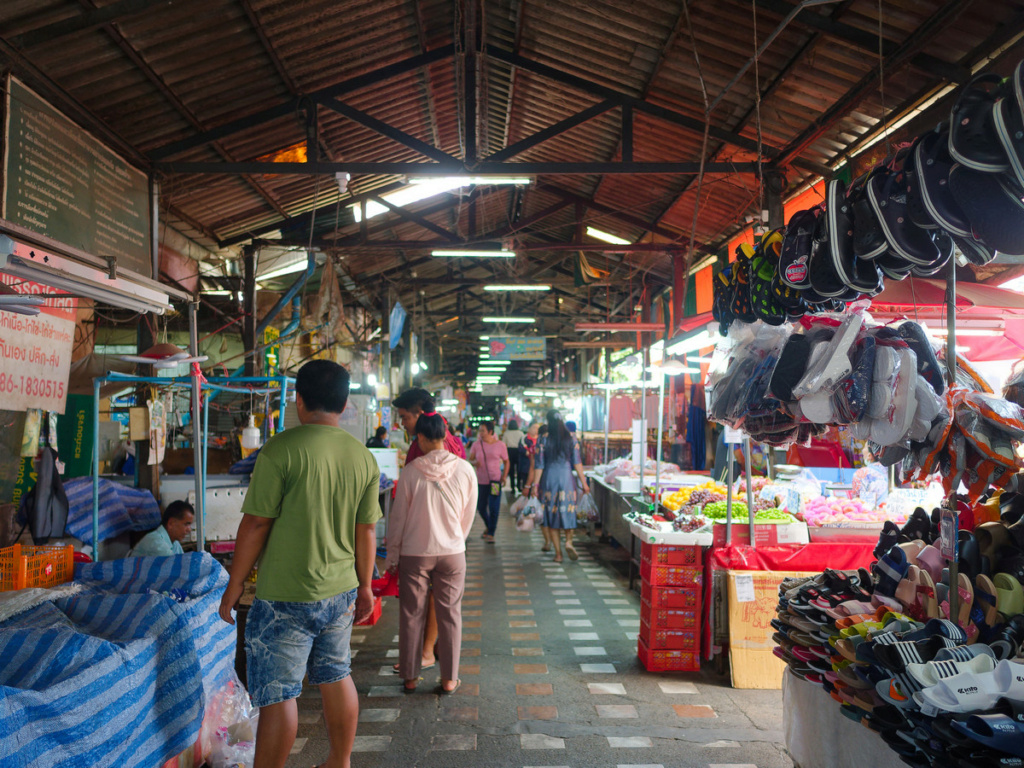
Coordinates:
<point>175,526</point>
<point>379,439</point>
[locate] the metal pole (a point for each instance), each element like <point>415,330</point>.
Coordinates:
<point>728,493</point>
<point>750,491</point>
<point>206,445</point>
<point>951,380</point>
<point>154,224</point>
<point>283,404</point>
<point>643,410</point>
<point>607,397</point>
<point>96,384</point>
<point>657,449</point>
<point>198,432</point>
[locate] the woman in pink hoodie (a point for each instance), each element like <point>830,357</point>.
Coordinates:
<point>427,547</point>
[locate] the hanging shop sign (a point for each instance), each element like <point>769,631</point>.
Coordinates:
<point>519,348</point>
<point>35,351</point>
<point>61,182</point>
<point>271,350</point>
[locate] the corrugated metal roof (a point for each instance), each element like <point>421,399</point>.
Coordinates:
<point>186,66</point>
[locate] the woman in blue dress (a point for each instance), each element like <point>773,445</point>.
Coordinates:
<point>558,454</point>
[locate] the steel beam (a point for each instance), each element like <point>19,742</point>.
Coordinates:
<point>865,41</point>
<point>288,108</point>
<point>448,168</point>
<point>422,245</point>
<point>551,131</point>
<point>415,218</point>
<point>387,130</point>
<point>91,19</point>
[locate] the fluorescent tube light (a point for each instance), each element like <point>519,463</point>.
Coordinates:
<point>517,287</point>
<point>485,349</point>
<point>291,269</point>
<point>968,332</point>
<point>532,393</point>
<point>703,264</point>
<point>474,253</point>
<point>413,193</point>
<point>465,181</point>
<point>355,385</point>
<point>502,319</point>
<point>485,338</point>
<point>607,237</point>
<point>65,275</point>
<point>699,341</point>
<point>449,401</point>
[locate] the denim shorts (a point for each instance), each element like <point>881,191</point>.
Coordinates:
<point>284,641</point>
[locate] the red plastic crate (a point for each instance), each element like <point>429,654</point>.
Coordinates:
<point>674,639</point>
<point>670,597</point>
<point>672,575</point>
<point>669,618</point>
<point>662,660</point>
<point>374,616</point>
<point>670,554</point>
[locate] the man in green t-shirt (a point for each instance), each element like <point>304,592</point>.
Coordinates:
<point>311,510</point>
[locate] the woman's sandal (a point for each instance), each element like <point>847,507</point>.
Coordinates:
<point>441,690</point>
<point>571,552</point>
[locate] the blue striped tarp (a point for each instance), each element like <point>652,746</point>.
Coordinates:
<point>122,508</point>
<point>119,674</point>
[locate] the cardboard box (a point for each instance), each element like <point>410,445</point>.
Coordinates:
<point>752,598</point>
<point>766,535</point>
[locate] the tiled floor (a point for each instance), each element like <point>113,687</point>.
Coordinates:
<point>550,680</point>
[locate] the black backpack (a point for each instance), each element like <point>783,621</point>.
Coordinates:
<point>45,508</point>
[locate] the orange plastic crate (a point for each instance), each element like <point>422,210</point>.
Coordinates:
<point>667,660</point>
<point>46,566</point>
<point>671,575</point>
<point>669,618</point>
<point>670,554</point>
<point>679,598</point>
<point>660,638</point>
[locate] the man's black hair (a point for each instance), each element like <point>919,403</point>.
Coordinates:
<point>513,425</point>
<point>323,386</point>
<point>431,427</point>
<point>176,510</point>
<point>381,432</point>
<point>415,399</point>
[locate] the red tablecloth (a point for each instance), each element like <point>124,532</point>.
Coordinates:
<point>816,556</point>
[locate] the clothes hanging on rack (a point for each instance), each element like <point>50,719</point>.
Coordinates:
<point>695,427</point>
<point>620,413</point>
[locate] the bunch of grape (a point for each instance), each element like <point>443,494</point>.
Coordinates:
<point>689,524</point>
<point>647,522</point>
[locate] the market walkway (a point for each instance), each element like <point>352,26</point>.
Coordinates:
<point>550,678</point>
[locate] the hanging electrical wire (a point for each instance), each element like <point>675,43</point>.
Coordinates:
<point>703,154</point>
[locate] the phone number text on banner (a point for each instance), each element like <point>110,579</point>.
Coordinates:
<point>35,353</point>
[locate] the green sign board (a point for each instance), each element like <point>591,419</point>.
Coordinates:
<point>518,348</point>
<point>74,436</point>
<point>61,182</point>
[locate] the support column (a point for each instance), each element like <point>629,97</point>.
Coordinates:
<point>249,263</point>
<point>198,429</point>
<point>154,224</point>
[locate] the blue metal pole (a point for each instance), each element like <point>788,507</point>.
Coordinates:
<point>96,384</point>
<point>283,404</point>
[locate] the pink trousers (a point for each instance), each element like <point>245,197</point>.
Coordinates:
<point>446,574</point>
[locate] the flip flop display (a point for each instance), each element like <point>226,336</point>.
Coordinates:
<point>916,681</point>
<point>953,192</point>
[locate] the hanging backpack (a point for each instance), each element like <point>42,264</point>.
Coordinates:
<point>45,507</point>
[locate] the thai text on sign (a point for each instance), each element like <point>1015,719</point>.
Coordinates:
<point>35,351</point>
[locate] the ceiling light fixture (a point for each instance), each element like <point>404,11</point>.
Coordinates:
<point>703,264</point>
<point>77,279</point>
<point>620,327</point>
<point>606,237</point>
<point>517,287</point>
<point>465,181</point>
<point>474,253</point>
<point>502,319</point>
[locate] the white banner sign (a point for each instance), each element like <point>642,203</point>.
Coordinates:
<point>35,351</point>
